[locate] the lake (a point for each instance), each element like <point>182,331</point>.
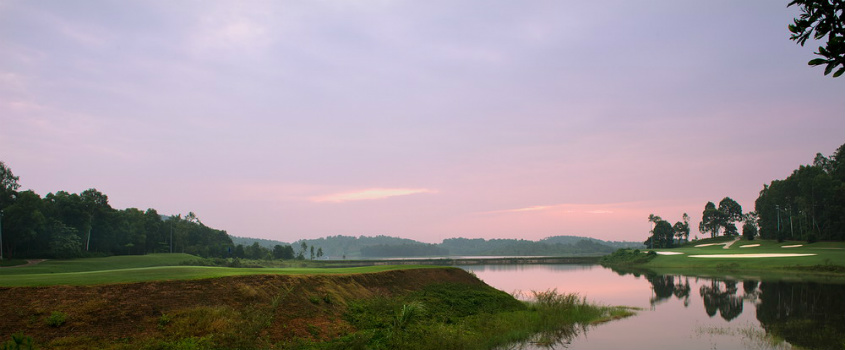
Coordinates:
<point>685,312</point>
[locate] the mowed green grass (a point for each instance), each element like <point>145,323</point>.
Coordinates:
<point>825,253</point>
<point>153,267</point>
<point>99,264</point>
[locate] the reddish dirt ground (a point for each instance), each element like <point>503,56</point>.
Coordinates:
<point>117,312</point>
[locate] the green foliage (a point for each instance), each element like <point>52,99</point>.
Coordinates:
<point>820,19</point>
<point>710,220</point>
<point>283,252</point>
<point>722,218</point>
<point>19,341</point>
<point>625,257</point>
<point>189,343</point>
<point>69,225</point>
<point>164,320</point>
<point>446,300</point>
<point>681,229</point>
<point>409,313</point>
<point>662,235</point>
<point>449,316</point>
<point>808,204</point>
<point>749,231</point>
<point>56,319</point>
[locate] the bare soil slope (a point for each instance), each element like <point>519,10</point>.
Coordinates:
<point>287,306</point>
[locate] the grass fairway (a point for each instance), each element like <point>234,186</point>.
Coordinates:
<point>152,267</point>
<point>817,258</point>
<point>99,264</point>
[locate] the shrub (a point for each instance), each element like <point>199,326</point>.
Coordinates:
<point>19,342</point>
<point>623,257</point>
<point>56,319</point>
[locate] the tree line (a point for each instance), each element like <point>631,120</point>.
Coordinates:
<point>69,225</point>
<point>351,247</point>
<point>808,205</point>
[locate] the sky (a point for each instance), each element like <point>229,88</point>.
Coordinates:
<point>430,119</point>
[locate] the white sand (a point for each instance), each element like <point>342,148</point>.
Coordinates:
<point>668,253</point>
<point>708,244</point>
<point>793,246</point>
<point>748,255</point>
<point>749,245</point>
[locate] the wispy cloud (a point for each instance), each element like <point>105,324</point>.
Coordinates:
<point>560,208</point>
<point>598,212</point>
<point>369,194</point>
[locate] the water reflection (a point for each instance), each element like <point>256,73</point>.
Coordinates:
<point>805,314</point>
<point>809,315</point>
<point>685,312</point>
<point>722,296</point>
<point>664,287</point>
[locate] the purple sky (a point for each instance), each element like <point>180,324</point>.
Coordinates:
<point>418,119</point>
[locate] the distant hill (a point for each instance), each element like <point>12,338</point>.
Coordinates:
<point>266,243</point>
<point>575,239</point>
<point>363,247</point>
<point>350,247</point>
<point>553,246</point>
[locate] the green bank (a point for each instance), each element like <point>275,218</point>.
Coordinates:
<point>137,306</point>
<point>142,268</point>
<point>729,256</point>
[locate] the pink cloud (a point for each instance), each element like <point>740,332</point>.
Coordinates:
<point>561,208</point>
<point>369,194</point>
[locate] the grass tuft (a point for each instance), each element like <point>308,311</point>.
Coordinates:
<point>56,319</point>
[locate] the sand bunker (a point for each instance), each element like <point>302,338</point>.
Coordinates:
<point>748,255</point>
<point>668,253</point>
<point>749,245</point>
<point>708,244</point>
<point>793,246</point>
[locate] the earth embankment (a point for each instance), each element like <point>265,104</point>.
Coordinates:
<point>260,308</point>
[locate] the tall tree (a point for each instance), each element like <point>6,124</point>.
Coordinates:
<point>808,204</point>
<point>8,186</point>
<point>653,219</point>
<point>663,234</point>
<point>681,228</point>
<point>711,220</point>
<point>820,19</point>
<point>303,248</point>
<point>731,210</point>
<point>24,222</point>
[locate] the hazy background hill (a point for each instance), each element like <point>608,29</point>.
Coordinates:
<point>350,247</point>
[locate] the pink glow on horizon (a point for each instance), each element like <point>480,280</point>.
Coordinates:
<point>426,120</point>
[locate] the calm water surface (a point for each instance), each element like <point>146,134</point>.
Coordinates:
<point>681,312</point>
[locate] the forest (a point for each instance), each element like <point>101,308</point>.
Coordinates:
<point>808,205</point>
<point>69,225</point>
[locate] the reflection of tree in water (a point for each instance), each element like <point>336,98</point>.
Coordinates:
<point>809,315</point>
<point>719,296</point>
<point>805,314</point>
<point>722,296</point>
<point>664,287</point>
